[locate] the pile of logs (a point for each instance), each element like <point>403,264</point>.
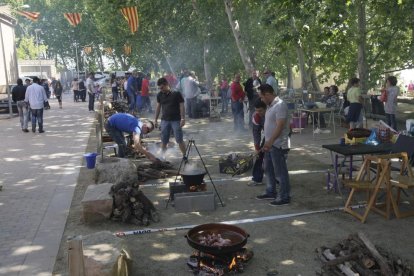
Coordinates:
<point>155,170</point>
<point>357,255</point>
<point>115,107</point>
<point>132,206</point>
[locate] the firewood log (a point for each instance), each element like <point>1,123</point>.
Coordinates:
<point>126,215</point>
<point>385,269</point>
<point>344,268</point>
<point>148,206</point>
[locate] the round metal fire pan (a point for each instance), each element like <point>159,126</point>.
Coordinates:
<point>237,236</point>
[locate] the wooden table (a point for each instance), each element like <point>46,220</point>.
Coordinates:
<point>318,111</point>
<point>349,151</point>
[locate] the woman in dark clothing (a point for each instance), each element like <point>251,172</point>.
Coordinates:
<point>58,93</point>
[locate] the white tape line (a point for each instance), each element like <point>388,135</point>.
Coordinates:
<point>241,221</point>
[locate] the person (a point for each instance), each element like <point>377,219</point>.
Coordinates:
<point>119,123</point>
<point>390,105</point>
<point>258,119</point>
<point>36,97</point>
<point>132,91</point>
<point>250,88</point>
<point>331,100</point>
<point>58,92</point>
<point>146,101</point>
<point>45,85</point>
<point>138,98</point>
<point>355,104</point>
<point>53,86</point>
<point>114,88</point>
<point>82,91</point>
<point>276,147</point>
<point>224,87</point>
<point>27,82</point>
<point>173,115</point>
<point>75,89</point>
<point>190,90</point>
<point>237,97</point>
<point>326,94</point>
<point>271,80</point>
<point>91,91</point>
<point>18,95</point>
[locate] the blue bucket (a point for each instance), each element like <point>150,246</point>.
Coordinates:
<point>90,159</point>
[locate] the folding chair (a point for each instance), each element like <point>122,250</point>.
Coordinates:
<point>381,182</point>
<point>404,181</point>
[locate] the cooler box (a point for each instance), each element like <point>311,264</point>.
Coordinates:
<point>299,122</point>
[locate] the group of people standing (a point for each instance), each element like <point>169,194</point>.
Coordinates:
<point>81,89</point>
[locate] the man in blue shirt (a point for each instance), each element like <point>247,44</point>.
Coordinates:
<point>119,123</point>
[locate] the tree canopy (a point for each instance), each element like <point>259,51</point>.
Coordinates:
<point>365,38</point>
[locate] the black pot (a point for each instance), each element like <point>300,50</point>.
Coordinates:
<point>193,178</point>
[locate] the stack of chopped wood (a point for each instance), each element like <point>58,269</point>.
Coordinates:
<point>357,255</point>
<point>132,206</point>
<point>155,170</point>
<point>115,107</point>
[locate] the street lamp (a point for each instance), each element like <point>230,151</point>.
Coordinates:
<point>38,52</point>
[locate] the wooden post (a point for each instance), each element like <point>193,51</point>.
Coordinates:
<point>75,256</point>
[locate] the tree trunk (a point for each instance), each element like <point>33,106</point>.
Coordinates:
<point>362,58</point>
<point>234,24</point>
<point>63,61</point>
<point>289,84</point>
<point>101,63</point>
<point>207,66</point>
<point>206,48</point>
<point>115,61</point>
<point>314,80</point>
<point>302,67</point>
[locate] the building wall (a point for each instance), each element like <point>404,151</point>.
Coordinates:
<point>45,68</point>
<point>8,57</point>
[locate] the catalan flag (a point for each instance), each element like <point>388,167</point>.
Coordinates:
<point>34,16</point>
<point>108,50</point>
<point>73,18</point>
<point>131,15</point>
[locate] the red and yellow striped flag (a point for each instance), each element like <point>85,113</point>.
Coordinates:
<point>73,18</point>
<point>87,49</point>
<point>34,16</point>
<point>108,50</point>
<point>127,49</point>
<point>131,15</point>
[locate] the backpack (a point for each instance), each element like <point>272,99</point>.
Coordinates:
<point>81,85</point>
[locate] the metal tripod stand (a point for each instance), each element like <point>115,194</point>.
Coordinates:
<point>190,144</point>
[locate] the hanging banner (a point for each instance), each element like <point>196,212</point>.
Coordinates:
<point>73,18</point>
<point>108,50</point>
<point>131,15</point>
<point>34,16</point>
<point>87,50</point>
<point>127,50</point>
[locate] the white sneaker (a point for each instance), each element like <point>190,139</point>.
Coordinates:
<point>317,131</point>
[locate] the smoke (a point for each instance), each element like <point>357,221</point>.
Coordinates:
<point>170,153</point>
<point>191,168</point>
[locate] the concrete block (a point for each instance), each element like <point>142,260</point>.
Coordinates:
<point>177,187</point>
<point>195,202</point>
<point>97,203</point>
<point>106,255</point>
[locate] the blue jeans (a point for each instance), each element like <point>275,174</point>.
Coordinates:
<point>191,107</point>
<point>131,97</point>
<point>146,103</point>
<point>391,121</point>
<point>114,94</point>
<point>23,109</point>
<point>91,101</point>
<point>224,101</point>
<point>118,137</point>
<point>138,102</point>
<point>238,115</point>
<point>166,127</point>
<point>37,115</point>
<point>276,171</point>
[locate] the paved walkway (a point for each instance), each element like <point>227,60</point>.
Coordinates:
<point>39,174</point>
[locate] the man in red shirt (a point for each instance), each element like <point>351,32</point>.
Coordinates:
<point>237,97</point>
<point>146,101</point>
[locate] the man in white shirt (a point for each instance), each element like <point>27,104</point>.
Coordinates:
<point>36,97</point>
<point>189,88</point>
<point>90,88</point>
<point>271,80</point>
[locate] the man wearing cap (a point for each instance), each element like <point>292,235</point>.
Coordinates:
<point>119,123</point>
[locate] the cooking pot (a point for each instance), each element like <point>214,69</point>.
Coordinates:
<point>193,177</point>
<point>236,235</point>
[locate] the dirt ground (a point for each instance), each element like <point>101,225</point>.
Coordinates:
<point>282,246</point>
